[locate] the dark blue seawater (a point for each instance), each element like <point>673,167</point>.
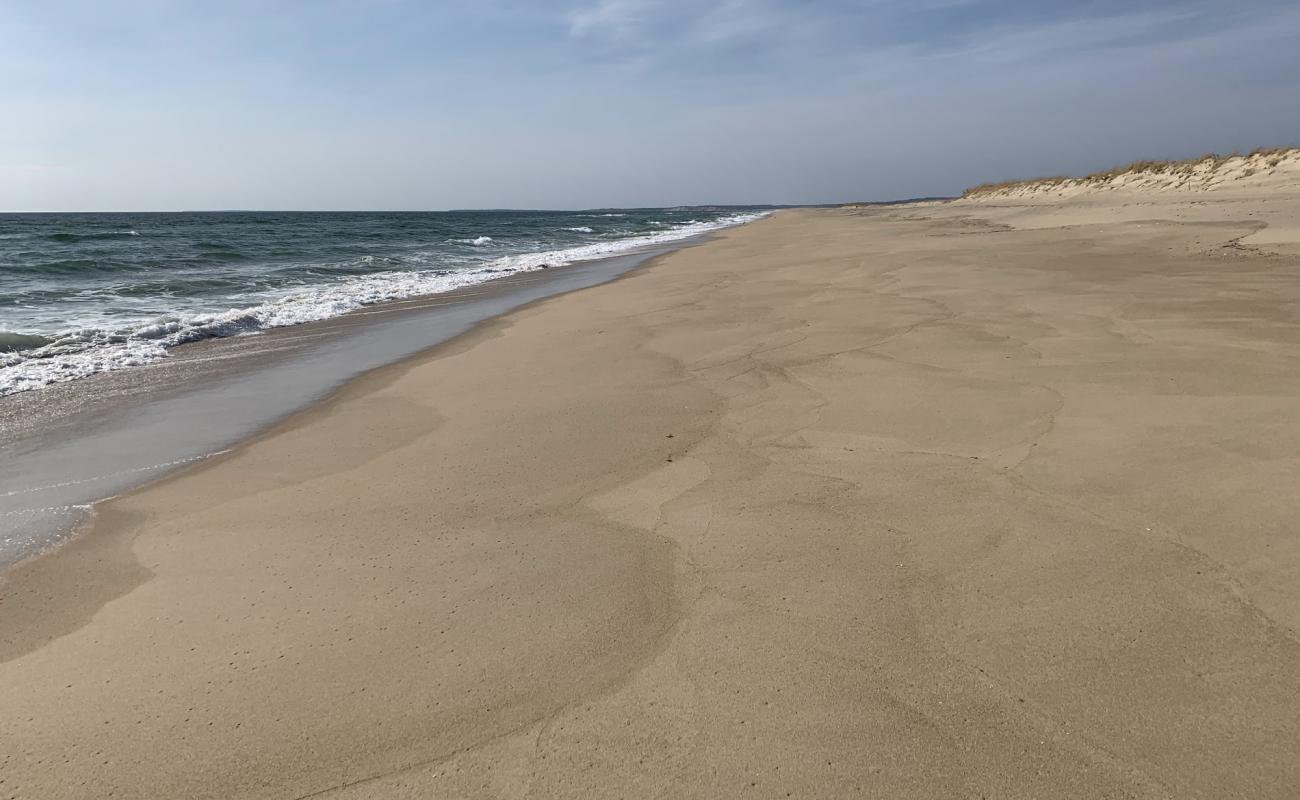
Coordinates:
<point>85,293</point>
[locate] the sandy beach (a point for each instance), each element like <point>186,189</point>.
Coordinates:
<point>984,499</point>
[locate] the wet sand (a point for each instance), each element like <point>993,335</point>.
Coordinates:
<point>940,501</point>
<point>67,446</point>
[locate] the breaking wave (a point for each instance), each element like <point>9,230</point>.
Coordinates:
<point>29,361</point>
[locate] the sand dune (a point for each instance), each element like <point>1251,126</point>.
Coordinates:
<point>1269,170</point>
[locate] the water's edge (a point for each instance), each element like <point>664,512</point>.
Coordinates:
<point>64,451</point>
<point>80,296</point>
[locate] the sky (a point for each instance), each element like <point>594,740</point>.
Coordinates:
<point>398,104</point>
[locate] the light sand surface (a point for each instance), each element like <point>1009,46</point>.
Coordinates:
<point>965,500</point>
<point>1263,172</point>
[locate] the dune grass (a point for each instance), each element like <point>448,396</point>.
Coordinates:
<point>1210,162</point>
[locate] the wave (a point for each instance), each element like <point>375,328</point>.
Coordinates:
<point>580,229</point>
<point>221,255</point>
<point>71,266</point>
<point>368,260</point>
<point>598,216</point>
<point>479,241</point>
<point>15,342</point>
<point>86,237</point>
<point>80,352</point>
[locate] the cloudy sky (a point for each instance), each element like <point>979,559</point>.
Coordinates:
<point>386,104</point>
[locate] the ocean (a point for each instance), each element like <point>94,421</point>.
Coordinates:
<point>82,294</point>
<point>101,390</point>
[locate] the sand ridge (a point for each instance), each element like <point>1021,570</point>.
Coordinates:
<point>1269,170</point>
<point>904,502</point>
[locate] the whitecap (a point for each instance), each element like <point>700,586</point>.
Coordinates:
<point>79,352</point>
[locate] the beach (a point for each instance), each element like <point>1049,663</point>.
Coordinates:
<point>972,499</point>
<point>140,351</point>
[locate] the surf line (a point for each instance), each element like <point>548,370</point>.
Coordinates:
<point>164,465</point>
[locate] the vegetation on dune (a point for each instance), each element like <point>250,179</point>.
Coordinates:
<point>1208,163</point>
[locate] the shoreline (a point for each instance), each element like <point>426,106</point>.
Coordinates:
<point>84,344</point>
<point>80,414</point>
<point>101,534</point>
<point>900,502</point>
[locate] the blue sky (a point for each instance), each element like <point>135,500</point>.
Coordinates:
<point>393,104</point>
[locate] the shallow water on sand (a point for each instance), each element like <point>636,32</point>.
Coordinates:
<point>69,445</point>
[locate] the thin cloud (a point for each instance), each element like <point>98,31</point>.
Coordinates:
<point>605,102</point>
<point>610,19</point>
<point>673,35</point>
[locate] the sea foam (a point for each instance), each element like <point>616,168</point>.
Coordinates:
<point>81,351</point>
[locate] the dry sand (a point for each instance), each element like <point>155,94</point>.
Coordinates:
<point>1262,172</point>
<point>967,500</point>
